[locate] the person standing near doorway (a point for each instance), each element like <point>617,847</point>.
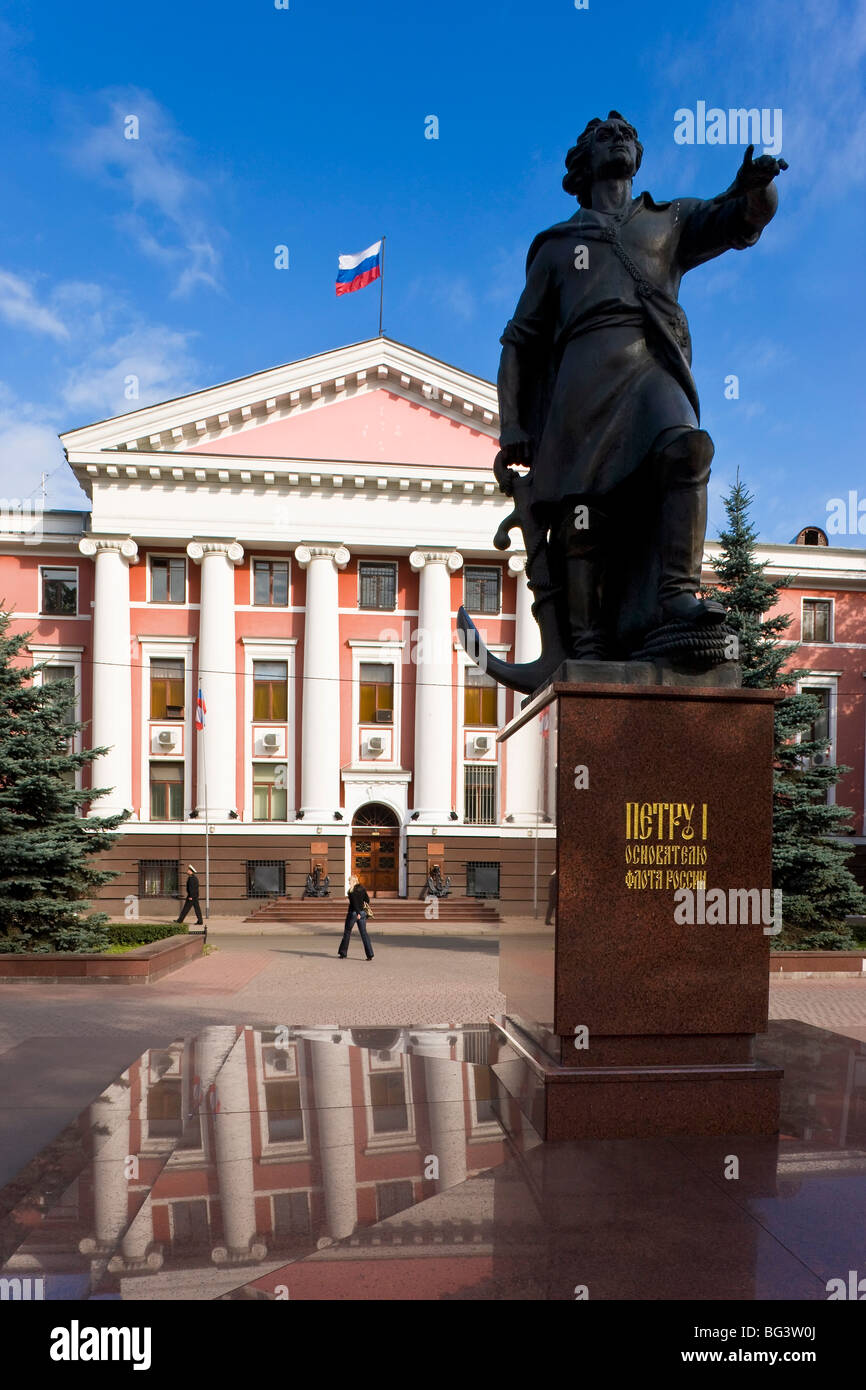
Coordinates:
<point>192,894</point>
<point>359,905</point>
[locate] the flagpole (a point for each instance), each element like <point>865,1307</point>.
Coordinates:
<point>382,287</point>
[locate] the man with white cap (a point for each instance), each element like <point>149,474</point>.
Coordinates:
<point>192,892</point>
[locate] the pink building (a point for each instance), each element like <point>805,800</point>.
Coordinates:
<point>296,544</point>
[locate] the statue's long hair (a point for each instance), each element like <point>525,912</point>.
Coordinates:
<point>577,178</point>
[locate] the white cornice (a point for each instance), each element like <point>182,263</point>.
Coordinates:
<point>812,566</point>
<point>293,475</point>
<point>236,406</point>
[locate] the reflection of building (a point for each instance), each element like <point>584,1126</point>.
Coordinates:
<point>250,1149</point>
<point>297,544</point>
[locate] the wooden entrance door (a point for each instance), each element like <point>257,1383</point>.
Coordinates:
<point>374,861</point>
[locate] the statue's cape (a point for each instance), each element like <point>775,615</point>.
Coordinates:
<point>666,325</point>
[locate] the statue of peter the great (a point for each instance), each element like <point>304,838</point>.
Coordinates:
<point>598,402</point>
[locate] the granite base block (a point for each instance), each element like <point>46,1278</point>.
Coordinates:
<point>622,1102</point>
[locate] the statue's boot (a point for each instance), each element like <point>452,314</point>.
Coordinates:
<point>583,547</point>
<point>683,472</point>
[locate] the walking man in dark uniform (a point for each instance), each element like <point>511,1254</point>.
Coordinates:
<point>192,892</point>
<point>359,904</point>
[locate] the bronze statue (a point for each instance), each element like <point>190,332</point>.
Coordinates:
<point>598,404</point>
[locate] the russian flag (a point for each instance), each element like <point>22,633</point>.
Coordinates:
<point>200,711</point>
<point>357,271</point>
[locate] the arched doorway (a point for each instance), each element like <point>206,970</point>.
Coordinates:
<point>375,848</point>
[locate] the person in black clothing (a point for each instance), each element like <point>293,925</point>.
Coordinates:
<point>192,892</point>
<point>359,902</point>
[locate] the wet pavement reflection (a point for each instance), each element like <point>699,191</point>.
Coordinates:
<point>334,1163</point>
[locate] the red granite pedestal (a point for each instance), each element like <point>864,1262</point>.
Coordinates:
<point>621,1020</point>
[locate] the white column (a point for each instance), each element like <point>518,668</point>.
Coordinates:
<point>320,713</point>
<point>233,1140</point>
<point>444,1086</point>
<point>110,1181</point>
<point>111,724</point>
<point>434,680</point>
<point>333,1081</point>
<point>524,750</point>
<point>217,659</point>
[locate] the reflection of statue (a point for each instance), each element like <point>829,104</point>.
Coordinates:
<point>598,402</point>
<point>436,887</point>
<point>316,886</point>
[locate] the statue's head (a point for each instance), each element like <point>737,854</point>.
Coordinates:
<point>606,149</point>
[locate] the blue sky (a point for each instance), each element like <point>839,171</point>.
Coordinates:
<point>306,127</point>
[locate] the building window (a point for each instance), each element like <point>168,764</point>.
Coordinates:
<point>482,588</point>
<point>270,690</point>
<point>377,693</point>
<point>164,1109</point>
<point>820,730</point>
<point>158,878</point>
<point>190,1226</point>
<point>377,586</point>
<point>166,791</point>
<point>60,592</point>
<point>484,1112</point>
<point>269,791</point>
<point>480,700</point>
<point>271,583</point>
<point>285,1116</point>
<point>393,1197</point>
<point>817,620</point>
<point>266,878</point>
<point>291,1215</point>
<point>166,689</point>
<point>479,796</point>
<point>482,880</point>
<point>53,675</point>
<point>388,1099</point>
<point>167,580</point>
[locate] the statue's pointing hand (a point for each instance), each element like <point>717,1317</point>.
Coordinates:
<point>757,173</point>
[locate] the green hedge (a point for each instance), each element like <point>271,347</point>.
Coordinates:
<point>143,933</point>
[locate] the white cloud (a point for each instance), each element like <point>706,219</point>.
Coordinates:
<point>158,357</point>
<point>21,309</point>
<point>29,447</point>
<point>165,199</point>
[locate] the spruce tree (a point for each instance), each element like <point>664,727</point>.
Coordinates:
<point>47,848</point>
<point>810,867</point>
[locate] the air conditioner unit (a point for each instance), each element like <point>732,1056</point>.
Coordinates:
<point>384,716</point>
<point>165,738</point>
<point>376,743</point>
<point>271,740</point>
<point>482,743</point>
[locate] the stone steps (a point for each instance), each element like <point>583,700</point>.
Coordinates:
<point>389,910</point>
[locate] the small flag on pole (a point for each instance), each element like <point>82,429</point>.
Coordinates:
<point>357,271</point>
<point>200,711</point>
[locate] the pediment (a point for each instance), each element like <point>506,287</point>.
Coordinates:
<point>373,425</point>
<point>378,400</point>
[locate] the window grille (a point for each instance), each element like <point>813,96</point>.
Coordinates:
<point>482,879</point>
<point>479,795</point>
<point>377,586</point>
<point>266,878</point>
